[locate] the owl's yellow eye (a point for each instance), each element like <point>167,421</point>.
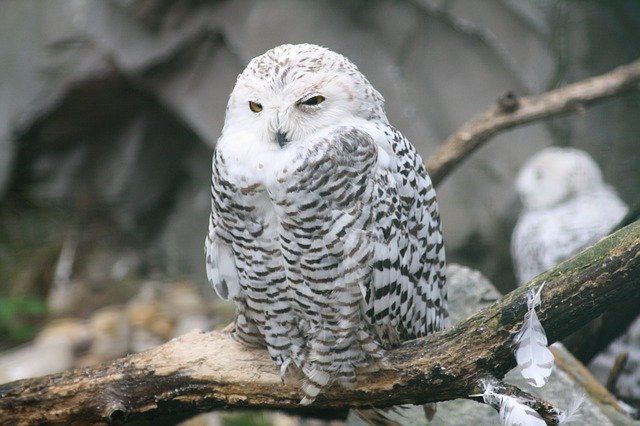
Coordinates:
<point>254,106</point>
<point>314,100</point>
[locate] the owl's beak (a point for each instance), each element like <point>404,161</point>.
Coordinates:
<point>281,138</point>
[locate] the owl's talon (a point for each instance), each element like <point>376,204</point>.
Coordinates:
<point>283,369</point>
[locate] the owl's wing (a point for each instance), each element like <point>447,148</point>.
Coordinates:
<point>324,203</point>
<point>222,272</point>
<point>407,296</point>
<point>220,265</point>
<point>362,220</point>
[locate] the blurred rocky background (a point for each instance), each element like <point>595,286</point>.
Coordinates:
<point>109,110</point>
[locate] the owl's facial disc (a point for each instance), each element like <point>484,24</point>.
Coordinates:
<point>289,117</point>
<point>286,114</point>
<point>292,93</point>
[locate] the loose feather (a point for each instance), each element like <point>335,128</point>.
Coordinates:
<point>512,411</point>
<point>571,413</point>
<point>515,413</point>
<point>532,355</point>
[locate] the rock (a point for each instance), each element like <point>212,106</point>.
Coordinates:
<point>206,419</point>
<point>627,384</point>
<point>157,313</point>
<point>468,292</point>
<point>53,350</point>
<point>7,153</point>
<point>110,332</point>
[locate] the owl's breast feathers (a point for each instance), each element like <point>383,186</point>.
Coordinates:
<point>332,254</point>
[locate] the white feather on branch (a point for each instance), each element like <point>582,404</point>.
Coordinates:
<point>515,413</point>
<point>512,411</point>
<point>571,413</point>
<point>532,355</point>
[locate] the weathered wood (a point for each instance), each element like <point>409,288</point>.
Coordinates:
<point>203,371</point>
<point>510,111</point>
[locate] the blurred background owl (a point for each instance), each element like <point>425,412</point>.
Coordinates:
<point>567,207</point>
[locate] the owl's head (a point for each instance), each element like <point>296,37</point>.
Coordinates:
<point>293,91</point>
<point>555,175</point>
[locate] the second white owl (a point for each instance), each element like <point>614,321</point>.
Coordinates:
<point>567,207</point>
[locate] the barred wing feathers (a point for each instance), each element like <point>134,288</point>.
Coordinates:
<point>338,255</point>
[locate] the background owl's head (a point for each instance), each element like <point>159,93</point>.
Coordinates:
<point>556,174</point>
<point>293,91</point>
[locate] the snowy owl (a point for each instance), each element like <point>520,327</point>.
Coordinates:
<point>324,228</point>
<point>567,207</point>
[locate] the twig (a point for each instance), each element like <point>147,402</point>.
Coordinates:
<point>616,370</point>
<point>572,98</point>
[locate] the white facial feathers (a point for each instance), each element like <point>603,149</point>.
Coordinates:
<point>301,89</point>
<point>555,174</point>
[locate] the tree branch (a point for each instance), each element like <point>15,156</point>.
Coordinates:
<point>203,371</point>
<point>510,111</point>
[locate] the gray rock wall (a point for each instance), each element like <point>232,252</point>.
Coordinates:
<point>110,108</point>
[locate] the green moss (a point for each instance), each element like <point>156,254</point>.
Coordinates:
<point>30,240</point>
<point>20,317</point>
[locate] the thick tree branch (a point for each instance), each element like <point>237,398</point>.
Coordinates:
<point>510,111</point>
<point>205,371</point>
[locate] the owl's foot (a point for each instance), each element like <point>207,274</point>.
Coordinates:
<point>283,369</point>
